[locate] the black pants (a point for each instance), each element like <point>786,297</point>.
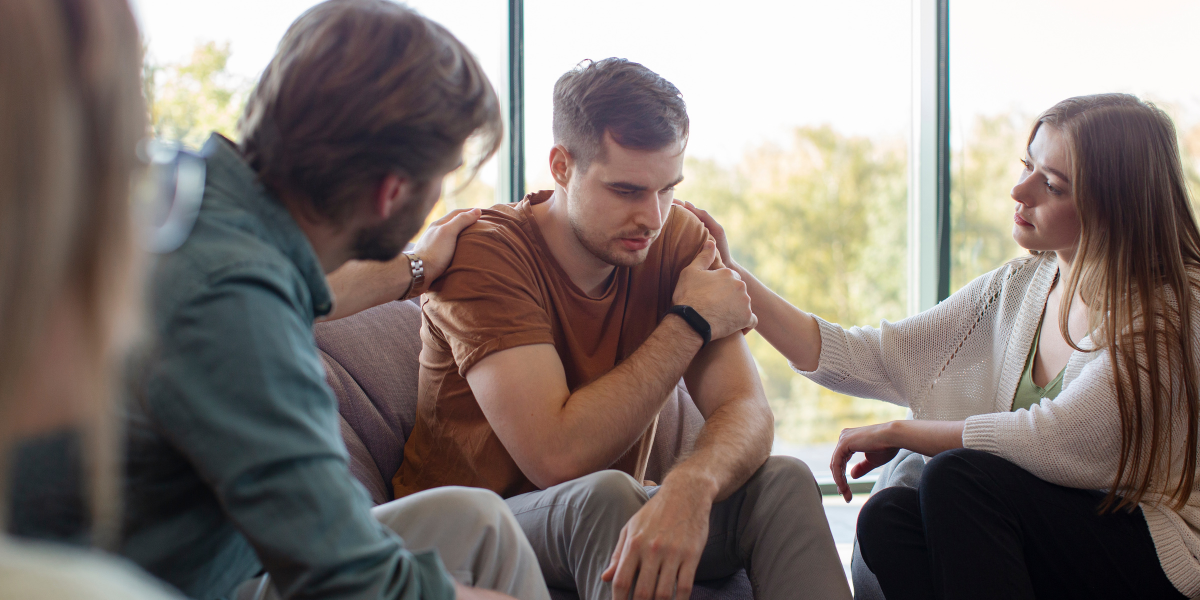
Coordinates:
<point>981,527</point>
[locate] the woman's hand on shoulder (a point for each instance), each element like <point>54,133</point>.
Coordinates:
<point>714,229</point>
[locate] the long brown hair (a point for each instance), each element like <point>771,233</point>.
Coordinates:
<point>1135,270</point>
<point>71,113</point>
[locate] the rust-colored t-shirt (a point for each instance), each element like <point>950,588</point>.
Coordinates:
<point>504,289</point>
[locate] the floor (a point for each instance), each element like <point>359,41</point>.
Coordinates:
<point>842,518</point>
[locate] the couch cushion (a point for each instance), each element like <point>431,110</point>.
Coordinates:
<point>371,363</point>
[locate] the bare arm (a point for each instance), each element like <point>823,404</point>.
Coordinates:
<point>667,536</point>
<point>524,395</point>
<point>880,443</point>
<point>361,284</point>
<point>738,424</point>
<point>793,332</point>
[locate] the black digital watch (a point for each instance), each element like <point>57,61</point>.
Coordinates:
<point>693,318</point>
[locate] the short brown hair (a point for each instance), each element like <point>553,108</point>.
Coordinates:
<point>359,89</point>
<point>637,106</point>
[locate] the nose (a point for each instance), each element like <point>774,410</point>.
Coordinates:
<point>651,216</point>
<point>1021,191</point>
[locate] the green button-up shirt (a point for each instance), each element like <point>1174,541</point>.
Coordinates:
<point>236,461</point>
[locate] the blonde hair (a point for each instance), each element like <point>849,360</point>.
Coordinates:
<point>71,113</point>
<point>1135,270</point>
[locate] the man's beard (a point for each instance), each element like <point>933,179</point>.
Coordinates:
<point>614,257</point>
<point>385,241</point>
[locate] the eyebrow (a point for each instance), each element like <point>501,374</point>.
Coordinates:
<point>1052,170</point>
<point>633,187</point>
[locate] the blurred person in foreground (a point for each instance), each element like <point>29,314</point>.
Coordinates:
<point>558,334</point>
<point>1058,396</point>
<point>238,479</point>
<point>71,114</point>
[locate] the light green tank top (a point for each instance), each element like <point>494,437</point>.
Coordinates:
<point>1028,393</point>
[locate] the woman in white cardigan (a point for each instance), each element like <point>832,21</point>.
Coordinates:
<point>1065,452</point>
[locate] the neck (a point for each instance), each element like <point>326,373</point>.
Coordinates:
<point>332,244</point>
<point>587,272</point>
<point>1064,258</point>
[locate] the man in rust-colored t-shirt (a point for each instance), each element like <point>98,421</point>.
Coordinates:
<point>505,290</point>
<point>556,336</point>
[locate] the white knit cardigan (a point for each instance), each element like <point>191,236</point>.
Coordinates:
<point>963,359</point>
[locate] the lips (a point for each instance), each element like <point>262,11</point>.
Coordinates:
<point>1019,221</point>
<point>635,244</point>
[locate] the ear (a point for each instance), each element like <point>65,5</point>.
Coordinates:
<point>562,165</point>
<point>391,194</point>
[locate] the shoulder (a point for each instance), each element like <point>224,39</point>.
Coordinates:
<point>220,256</point>
<point>503,227</point>
<point>38,570</point>
<point>1013,279</point>
<point>682,235</point>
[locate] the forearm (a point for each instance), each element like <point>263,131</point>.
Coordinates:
<point>926,437</point>
<point>362,284</point>
<point>612,412</point>
<point>735,442</point>
<point>793,332</point>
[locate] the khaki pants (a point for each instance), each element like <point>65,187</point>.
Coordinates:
<point>475,535</point>
<point>774,527</point>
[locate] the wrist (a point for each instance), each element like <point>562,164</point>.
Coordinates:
<point>416,276</point>
<point>693,483</point>
<point>896,433</point>
<point>682,333</point>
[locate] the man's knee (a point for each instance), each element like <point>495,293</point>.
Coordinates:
<point>474,513</point>
<point>786,474</point>
<point>611,495</point>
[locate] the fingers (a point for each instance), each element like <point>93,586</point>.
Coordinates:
<point>608,573</point>
<point>708,253</point>
<point>709,222</point>
<point>647,578</point>
<point>450,215</point>
<point>837,465</point>
<point>461,221</point>
<point>627,567</point>
<point>687,575</point>
<point>668,574</point>
<point>862,468</point>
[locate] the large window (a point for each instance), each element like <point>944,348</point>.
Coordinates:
<point>203,58</point>
<point>1009,63</point>
<point>798,146</point>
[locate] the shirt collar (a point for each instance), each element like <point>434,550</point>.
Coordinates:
<point>229,173</point>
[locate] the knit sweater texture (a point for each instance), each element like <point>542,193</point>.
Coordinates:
<point>962,361</point>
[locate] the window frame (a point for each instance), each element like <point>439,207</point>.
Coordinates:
<point>928,157</point>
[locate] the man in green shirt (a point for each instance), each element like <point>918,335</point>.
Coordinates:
<point>236,462</point>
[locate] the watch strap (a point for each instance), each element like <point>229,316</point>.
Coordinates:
<point>693,318</point>
<point>417,270</point>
